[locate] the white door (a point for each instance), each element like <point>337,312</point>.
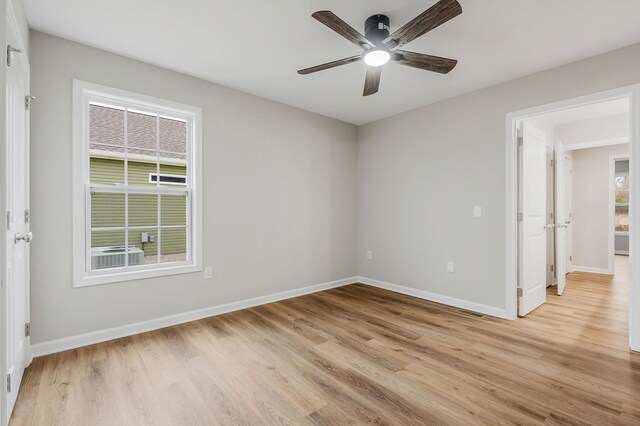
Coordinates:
<point>17,232</point>
<point>561,209</point>
<point>532,229</point>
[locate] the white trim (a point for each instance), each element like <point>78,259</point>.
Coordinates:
<point>597,143</point>
<point>633,93</point>
<point>105,276</point>
<point>511,211</point>
<point>91,338</point>
<point>634,221</point>
<point>592,270</point>
<point>611,234</point>
<point>137,189</point>
<point>437,298</point>
<point>83,92</point>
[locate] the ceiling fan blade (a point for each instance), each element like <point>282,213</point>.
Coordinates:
<point>345,30</point>
<point>431,18</point>
<point>372,81</point>
<point>424,62</point>
<point>328,65</point>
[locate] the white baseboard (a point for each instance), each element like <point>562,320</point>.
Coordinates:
<point>72,342</point>
<point>438,298</point>
<point>603,271</point>
<point>85,339</point>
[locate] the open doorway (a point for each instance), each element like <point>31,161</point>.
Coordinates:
<point>572,173</point>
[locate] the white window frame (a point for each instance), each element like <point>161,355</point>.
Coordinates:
<point>160,175</point>
<point>85,92</point>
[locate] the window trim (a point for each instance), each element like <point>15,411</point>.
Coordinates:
<point>82,92</point>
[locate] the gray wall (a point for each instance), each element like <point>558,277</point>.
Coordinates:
<point>590,205</point>
<point>279,196</point>
<point>421,172</point>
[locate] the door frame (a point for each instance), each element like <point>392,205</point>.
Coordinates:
<point>611,253</point>
<point>568,195</point>
<point>561,190</point>
<point>511,271</point>
<point>3,221</point>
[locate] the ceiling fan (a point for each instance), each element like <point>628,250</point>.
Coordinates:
<point>380,47</point>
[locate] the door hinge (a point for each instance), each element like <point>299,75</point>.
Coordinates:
<point>551,268</point>
<point>520,140</point>
<point>27,101</point>
<point>519,216</point>
<point>551,216</point>
<point>571,258</point>
<point>27,329</point>
<point>27,216</point>
<point>519,291</point>
<point>553,163</point>
<point>8,219</point>
<point>9,383</point>
<point>10,51</point>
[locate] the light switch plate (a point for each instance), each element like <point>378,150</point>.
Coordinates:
<point>369,254</point>
<point>449,266</point>
<point>477,211</point>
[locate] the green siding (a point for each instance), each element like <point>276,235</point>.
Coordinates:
<point>103,170</point>
<point>108,209</point>
<point>107,238</point>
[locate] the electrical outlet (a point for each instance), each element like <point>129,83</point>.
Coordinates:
<point>369,254</point>
<point>449,266</point>
<point>208,272</point>
<point>477,211</point>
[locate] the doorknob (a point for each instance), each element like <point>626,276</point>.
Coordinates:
<point>23,237</point>
<point>549,226</point>
<point>560,226</point>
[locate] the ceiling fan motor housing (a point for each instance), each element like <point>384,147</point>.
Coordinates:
<point>376,28</point>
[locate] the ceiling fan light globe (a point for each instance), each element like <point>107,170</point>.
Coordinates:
<point>376,57</point>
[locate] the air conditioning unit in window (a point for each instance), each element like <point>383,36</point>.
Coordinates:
<point>114,257</point>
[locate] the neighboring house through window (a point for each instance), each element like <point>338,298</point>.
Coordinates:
<point>622,207</point>
<point>168,179</point>
<point>136,211</point>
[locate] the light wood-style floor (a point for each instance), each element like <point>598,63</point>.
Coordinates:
<point>356,355</point>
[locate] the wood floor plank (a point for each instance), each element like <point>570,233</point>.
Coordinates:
<point>357,355</point>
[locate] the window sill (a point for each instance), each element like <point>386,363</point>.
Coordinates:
<point>91,280</point>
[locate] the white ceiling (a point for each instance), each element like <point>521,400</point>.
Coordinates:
<point>582,113</point>
<point>256,46</point>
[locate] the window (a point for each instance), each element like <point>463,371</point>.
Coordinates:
<point>622,197</point>
<point>136,210</point>
<point>168,179</point>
